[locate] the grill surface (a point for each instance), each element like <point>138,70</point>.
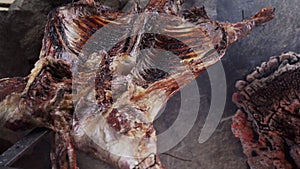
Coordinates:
<point>16,151</point>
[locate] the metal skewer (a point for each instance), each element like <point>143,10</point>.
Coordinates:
<point>16,151</point>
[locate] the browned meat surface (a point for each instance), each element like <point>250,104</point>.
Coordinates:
<point>268,121</point>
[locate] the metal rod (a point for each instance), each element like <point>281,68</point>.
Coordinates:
<point>16,151</point>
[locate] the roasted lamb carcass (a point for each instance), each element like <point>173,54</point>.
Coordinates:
<point>103,100</point>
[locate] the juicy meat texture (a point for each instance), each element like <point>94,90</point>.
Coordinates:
<point>103,100</point>
<point>268,119</point>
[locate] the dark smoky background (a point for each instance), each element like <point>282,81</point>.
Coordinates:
<point>21,33</point>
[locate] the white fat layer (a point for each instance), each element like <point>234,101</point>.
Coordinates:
<point>34,73</point>
<point>113,146</point>
<point>9,109</point>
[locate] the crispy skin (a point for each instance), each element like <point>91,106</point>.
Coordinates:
<point>267,122</point>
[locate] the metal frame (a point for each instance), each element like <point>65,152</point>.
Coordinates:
<point>16,151</point>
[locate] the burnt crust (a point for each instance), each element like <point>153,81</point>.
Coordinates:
<point>268,119</point>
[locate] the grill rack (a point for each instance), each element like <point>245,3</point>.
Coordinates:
<point>16,151</point>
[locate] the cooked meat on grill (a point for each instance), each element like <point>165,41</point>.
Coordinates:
<point>102,76</point>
